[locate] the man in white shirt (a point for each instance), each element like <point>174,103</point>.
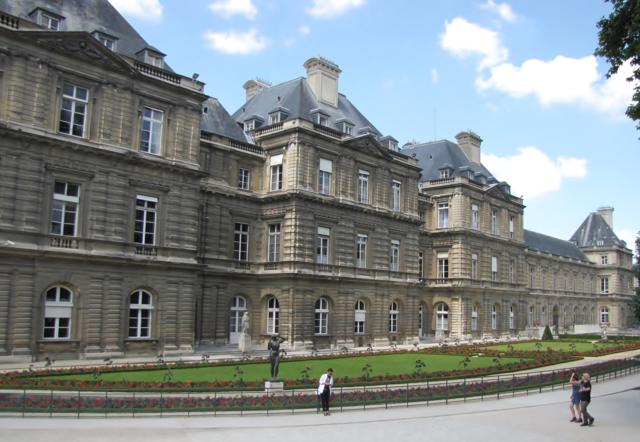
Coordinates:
<point>325,384</point>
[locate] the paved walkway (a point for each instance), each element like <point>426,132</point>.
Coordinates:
<point>536,418</point>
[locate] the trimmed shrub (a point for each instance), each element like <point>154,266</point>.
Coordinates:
<point>547,335</point>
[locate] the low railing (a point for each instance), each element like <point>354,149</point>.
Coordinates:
<point>63,242</point>
<point>153,71</point>
<point>91,403</point>
<point>9,21</point>
<point>247,147</point>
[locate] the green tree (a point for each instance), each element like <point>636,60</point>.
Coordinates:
<point>547,335</point>
<point>619,42</point>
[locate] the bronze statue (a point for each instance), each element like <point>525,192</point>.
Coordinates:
<point>275,355</point>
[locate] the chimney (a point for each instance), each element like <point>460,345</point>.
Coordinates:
<point>470,144</point>
<point>254,87</point>
<point>607,214</point>
<point>322,76</point>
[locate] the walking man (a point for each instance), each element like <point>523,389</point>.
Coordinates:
<point>325,384</point>
<point>585,399</point>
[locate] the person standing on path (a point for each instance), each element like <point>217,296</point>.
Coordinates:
<point>585,400</point>
<point>325,384</point>
<point>574,404</point>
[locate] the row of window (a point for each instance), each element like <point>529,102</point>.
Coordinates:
<point>569,283</point>
<point>443,219</point>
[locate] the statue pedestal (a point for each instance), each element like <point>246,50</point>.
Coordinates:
<point>274,387</point>
<point>244,343</point>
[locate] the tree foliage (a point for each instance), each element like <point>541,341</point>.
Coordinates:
<point>619,41</point>
<point>547,335</point>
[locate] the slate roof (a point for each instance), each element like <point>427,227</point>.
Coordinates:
<point>594,229</point>
<point>88,16</point>
<point>435,155</point>
<point>297,99</point>
<point>548,244</point>
<point>217,120</point>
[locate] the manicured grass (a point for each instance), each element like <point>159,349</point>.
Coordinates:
<point>580,346</point>
<point>394,364</point>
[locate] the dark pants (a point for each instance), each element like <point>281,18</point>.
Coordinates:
<point>586,417</point>
<point>325,397</point>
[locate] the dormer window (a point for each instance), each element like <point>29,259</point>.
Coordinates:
<point>393,145</point>
<point>154,59</point>
<point>252,123</point>
<point>345,126</point>
<point>319,117</point>
<point>444,173</point>
<point>277,117</point>
<point>47,19</point>
<point>323,120</point>
<point>107,41</point>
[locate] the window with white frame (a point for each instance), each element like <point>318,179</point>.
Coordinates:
<point>241,242</point>
<point>65,208</point>
<point>512,275</point>
<point>58,309</point>
<point>322,119</point>
<point>395,195</point>
<point>321,317</point>
<point>273,316</point>
<point>512,317</point>
<point>140,312</point>
<point>151,130</point>
<point>494,317</point>
<point>144,230</point>
<point>474,266</point>
<point>604,284</point>
<point>236,312</point>
<point>494,268</point>
<point>324,176</point>
<point>604,259</point>
<point>394,311</point>
<point>443,215</point>
<point>361,251</point>
<point>360,317</point>
<point>347,128</point>
<point>275,182</point>
<point>244,176</point>
<point>107,41</point>
<point>512,221</point>
<point>394,256</point>
<point>50,22</point>
<point>276,117</point>
<point>604,315</point>
<point>444,173</point>
<point>442,316</point>
<point>73,113</point>
<point>443,265</point>
<point>322,245</point>
<point>249,125</point>
<point>532,272</point>
<point>474,318</point>
<point>474,216</point>
<point>273,247</point>
<point>154,59</point>
<point>363,187</point>
<point>530,317</point>
<point>494,221</point>
<point>543,315</point>
<point>421,265</point>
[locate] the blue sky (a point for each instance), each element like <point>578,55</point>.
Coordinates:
<point>521,74</point>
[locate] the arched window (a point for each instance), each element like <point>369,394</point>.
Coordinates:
<point>442,316</point>
<point>604,315</point>
<point>140,312</point>
<point>393,317</point>
<point>273,316</point>
<point>321,321</point>
<point>360,317</point>
<point>494,317</point>
<point>512,317</point>
<point>474,318</point>
<point>236,310</point>
<point>58,307</point>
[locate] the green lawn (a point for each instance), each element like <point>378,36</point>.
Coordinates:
<point>400,363</point>
<point>580,346</point>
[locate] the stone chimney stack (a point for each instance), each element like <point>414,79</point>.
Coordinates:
<point>322,76</point>
<point>254,87</point>
<point>470,144</point>
<point>607,214</point>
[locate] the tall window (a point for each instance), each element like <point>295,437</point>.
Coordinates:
<point>530,318</point>
<point>64,211</point>
<point>442,316</point>
<point>361,251</point>
<point>421,265</point>
<point>273,316</point>
<point>322,247</point>
<point>243,179</point>
<point>321,319</point>
<point>73,113</point>
<point>532,273</point>
<point>275,182</point>
<point>512,220</point>
<point>140,310</point>
<point>393,317</point>
<point>494,221</point>
<point>144,231</point>
<point>443,215</point>
<point>494,268</point>
<point>494,317</point>
<point>443,266</point>
<point>324,177</point>
<point>360,317</point>
<point>58,306</point>
<point>474,266</point>
<point>151,130</point>
<point>474,216</point>
<point>604,259</point>
<point>236,311</point>
<point>273,249</point>
<point>604,285</point>
<point>394,256</point>
<point>241,242</point>
<point>604,315</point>
<point>474,318</point>
<point>512,275</point>
<point>363,187</point>
<point>395,195</point>
<point>512,317</point>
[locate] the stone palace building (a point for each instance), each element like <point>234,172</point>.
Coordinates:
<point>137,216</point>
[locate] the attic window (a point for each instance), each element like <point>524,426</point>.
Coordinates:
<point>445,172</point>
<point>393,145</point>
<point>205,110</point>
<point>154,59</point>
<point>249,125</point>
<point>322,120</point>
<point>346,128</point>
<point>277,117</point>
<point>106,40</point>
<point>47,19</point>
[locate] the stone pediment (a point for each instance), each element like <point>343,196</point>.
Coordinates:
<point>369,145</point>
<point>496,191</point>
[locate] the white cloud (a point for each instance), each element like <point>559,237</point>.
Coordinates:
<point>629,236</point>
<point>465,39</point>
<point>532,173</point>
<point>304,30</point>
<point>236,43</point>
<point>150,10</point>
<point>228,8</point>
<point>434,76</point>
<point>563,80</point>
<point>333,8</point>
<point>502,9</point>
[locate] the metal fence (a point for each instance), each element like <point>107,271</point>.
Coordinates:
<point>91,404</point>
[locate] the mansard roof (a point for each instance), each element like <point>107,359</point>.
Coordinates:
<point>87,16</point>
<point>217,120</point>
<point>436,155</point>
<point>595,232</point>
<point>298,101</point>
<point>547,244</point>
